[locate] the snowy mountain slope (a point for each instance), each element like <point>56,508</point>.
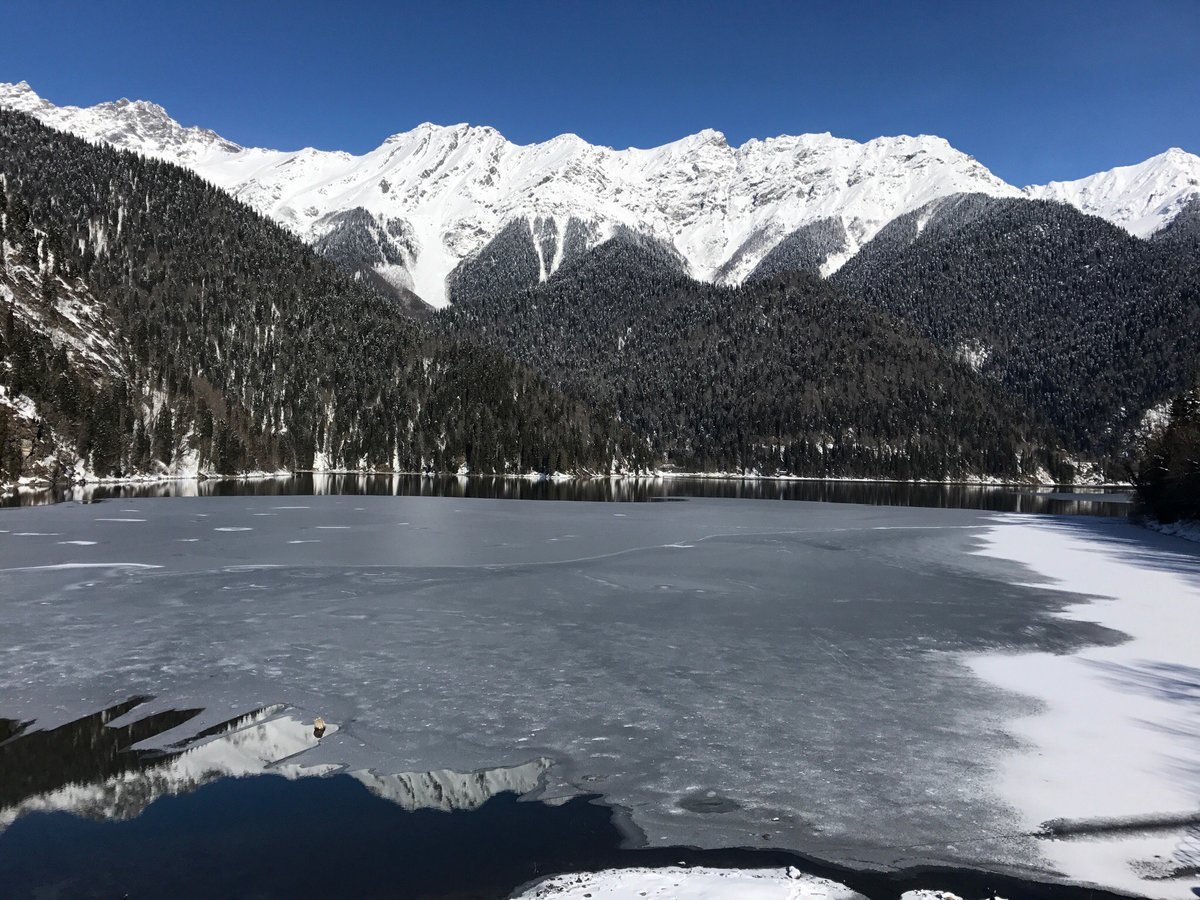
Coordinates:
<point>427,199</point>
<point>1141,198</point>
<point>451,190</point>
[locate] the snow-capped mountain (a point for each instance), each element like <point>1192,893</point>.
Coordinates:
<point>136,125</point>
<point>1141,198</point>
<point>429,198</point>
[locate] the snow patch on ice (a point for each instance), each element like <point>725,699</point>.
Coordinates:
<point>97,565</point>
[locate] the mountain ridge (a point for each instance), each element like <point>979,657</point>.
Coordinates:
<point>452,189</point>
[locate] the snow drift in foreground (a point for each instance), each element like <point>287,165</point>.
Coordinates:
<point>1111,764</point>
<point>692,884</point>
<point>680,883</point>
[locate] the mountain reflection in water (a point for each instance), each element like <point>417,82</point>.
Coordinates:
<point>91,767</point>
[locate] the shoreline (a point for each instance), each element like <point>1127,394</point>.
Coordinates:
<point>41,484</point>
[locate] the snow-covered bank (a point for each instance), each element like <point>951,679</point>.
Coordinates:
<point>142,479</point>
<point>1118,736</point>
<point>687,883</point>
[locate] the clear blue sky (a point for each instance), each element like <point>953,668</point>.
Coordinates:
<point>1035,90</point>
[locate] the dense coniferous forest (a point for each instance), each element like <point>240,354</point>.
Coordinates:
<point>1077,320</point>
<point>150,319</point>
<point>506,264</point>
<point>786,375</point>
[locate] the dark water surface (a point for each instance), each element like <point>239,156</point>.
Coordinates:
<point>1067,501</point>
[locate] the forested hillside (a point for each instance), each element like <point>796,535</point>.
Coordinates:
<point>787,375</point>
<point>1073,317</point>
<point>152,323</point>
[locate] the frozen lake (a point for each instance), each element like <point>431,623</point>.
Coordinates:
<point>729,673</point>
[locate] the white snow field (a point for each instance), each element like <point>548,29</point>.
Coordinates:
<point>875,686</point>
<point>698,882</point>
<point>1117,738</point>
<point>441,193</point>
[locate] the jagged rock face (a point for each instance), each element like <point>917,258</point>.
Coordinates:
<point>136,125</point>
<point>723,209</point>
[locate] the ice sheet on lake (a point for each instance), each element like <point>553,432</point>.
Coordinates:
<point>799,665</point>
